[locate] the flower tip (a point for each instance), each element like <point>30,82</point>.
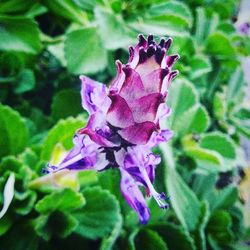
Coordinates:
<point>82,77</point>
<point>142,40</point>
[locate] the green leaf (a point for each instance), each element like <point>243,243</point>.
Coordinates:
<point>57,223</point>
<point>184,201</point>
<point>175,236</point>
<point>61,200</point>
<point>5,224</point>
<point>99,215</point>
<point>194,120</point>
<point>67,9</point>
<point>8,194</point>
<point>150,240</point>
<point>84,52</point>
<point>113,30</point>
<point>206,23</point>
<point>204,155</point>
<point>24,202</point>
<point>20,237</point>
<point>66,103</point>
<point>14,133</point>
<point>219,227</point>
<point>169,25</point>
<point>220,46</point>
<point>87,4</point>
<point>220,143</point>
<point>19,34</point>
<point>174,8</point>
<point>108,242</point>
<point>225,198</point>
<point>219,106</point>
<point>200,66</point>
<point>63,133</point>
<point>199,233</point>
<point>235,87</point>
<point>25,81</point>
<point>12,6</point>
<point>182,96</point>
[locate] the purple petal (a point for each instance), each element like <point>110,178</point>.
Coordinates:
<point>97,130</point>
<point>94,96</point>
<point>85,155</point>
<point>145,108</point>
<point>119,79</point>
<point>138,133</point>
<point>134,197</point>
<point>152,82</point>
<point>159,137</point>
<point>119,114</point>
<point>132,87</point>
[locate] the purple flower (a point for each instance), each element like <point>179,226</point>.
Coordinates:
<point>124,122</point>
<point>244,28</point>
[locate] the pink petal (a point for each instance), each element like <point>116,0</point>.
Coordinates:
<point>145,108</point>
<point>119,79</point>
<point>132,87</point>
<point>147,66</point>
<point>119,114</point>
<point>153,81</point>
<point>138,133</point>
<point>95,123</point>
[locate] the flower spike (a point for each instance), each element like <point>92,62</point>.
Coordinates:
<point>125,122</point>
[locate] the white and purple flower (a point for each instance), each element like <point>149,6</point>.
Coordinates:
<point>124,122</point>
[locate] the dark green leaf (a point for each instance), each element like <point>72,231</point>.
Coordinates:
<point>175,236</point>
<point>66,103</point>
<point>25,81</point>
<point>57,223</point>
<point>150,240</point>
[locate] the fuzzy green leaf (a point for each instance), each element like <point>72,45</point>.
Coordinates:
<point>84,52</point>
<point>150,240</point>
<point>113,30</point>
<point>61,200</point>
<point>66,103</point>
<point>19,34</point>
<point>220,143</point>
<point>63,133</point>
<point>13,130</point>
<point>99,215</point>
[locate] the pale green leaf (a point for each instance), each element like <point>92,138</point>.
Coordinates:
<point>220,143</point>
<point>84,51</point>
<point>65,199</point>
<point>182,96</point>
<point>113,30</point>
<point>63,133</point>
<point>19,34</point>
<point>13,130</point>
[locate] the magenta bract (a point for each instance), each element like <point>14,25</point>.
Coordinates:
<point>124,122</point>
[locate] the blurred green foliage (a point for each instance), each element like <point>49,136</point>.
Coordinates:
<point>44,46</point>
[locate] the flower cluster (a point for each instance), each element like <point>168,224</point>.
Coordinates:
<point>124,122</point>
